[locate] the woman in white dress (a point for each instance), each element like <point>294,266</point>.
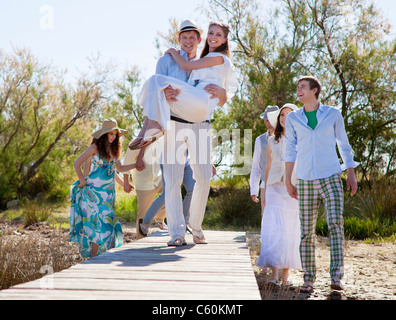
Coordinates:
<point>280,225</point>
<point>193,103</point>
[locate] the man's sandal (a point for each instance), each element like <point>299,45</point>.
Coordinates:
<point>177,243</point>
<point>336,284</point>
<point>199,240</point>
<point>307,287</point>
<point>143,230</point>
<point>161,225</point>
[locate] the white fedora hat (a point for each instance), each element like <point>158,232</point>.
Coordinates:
<point>267,110</point>
<point>188,25</point>
<point>273,116</point>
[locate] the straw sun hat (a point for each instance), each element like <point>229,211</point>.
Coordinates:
<point>107,126</point>
<point>273,116</point>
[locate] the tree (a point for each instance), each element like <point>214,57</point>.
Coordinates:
<point>123,104</point>
<point>46,123</point>
<point>267,54</point>
<point>346,44</point>
<point>358,62</point>
<point>40,116</point>
<point>169,39</point>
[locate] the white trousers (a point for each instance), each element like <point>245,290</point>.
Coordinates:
<point>193,103</point>
<point>197,139</point>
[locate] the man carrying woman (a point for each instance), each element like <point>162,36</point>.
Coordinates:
<point>183,114</point>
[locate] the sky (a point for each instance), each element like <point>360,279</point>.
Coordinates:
<point>65,32</point>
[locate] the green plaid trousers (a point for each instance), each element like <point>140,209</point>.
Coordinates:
<point>310,193</point>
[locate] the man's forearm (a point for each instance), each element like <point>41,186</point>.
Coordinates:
<point>289,166</point>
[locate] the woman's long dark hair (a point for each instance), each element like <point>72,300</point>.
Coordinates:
<point>224,48</point>
<point>107,150</point>
<point>279,130</point>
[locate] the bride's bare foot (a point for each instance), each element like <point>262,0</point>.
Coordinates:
<point>153,132</point>
<point>151,127</point>
<point>135,142</point>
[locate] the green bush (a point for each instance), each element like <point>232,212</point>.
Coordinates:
<point>363,229</point>
<point>126,206</point>
<point>230,208</point>
<point>360,229</point>
<point>374,201</point>
<point>34,212</point>
<point>371,213</point>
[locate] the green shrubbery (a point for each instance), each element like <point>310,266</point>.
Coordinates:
<point>126,206</point>
<point>230,208</point>
<point>360,229</point>
<point>371,213</point>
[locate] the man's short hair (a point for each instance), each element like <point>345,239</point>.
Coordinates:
<point>313,83</point>
<point>198,34</point>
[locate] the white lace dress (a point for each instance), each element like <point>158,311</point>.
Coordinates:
<point>280,225</point>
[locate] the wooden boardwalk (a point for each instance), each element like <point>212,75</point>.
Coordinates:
<point>148,269</point>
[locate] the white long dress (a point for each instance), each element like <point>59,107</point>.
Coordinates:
<point>194,103</point>
<point>280,225</point>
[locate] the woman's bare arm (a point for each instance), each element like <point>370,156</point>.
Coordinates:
<point>204,62</point>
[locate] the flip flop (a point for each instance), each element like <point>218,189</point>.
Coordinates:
<point>188,229</point>
<point>336,284</point>
<point>148,140</point>
<point>141,227</point>
<point>287,284</point>
<point>177,243</point>
<point>198,240</point>
<point>273,282</point>
<point>136,144</point>
<point>161,225</point>
<point>307,287</point>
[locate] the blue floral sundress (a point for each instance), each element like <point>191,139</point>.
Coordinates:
<point>92,217</point>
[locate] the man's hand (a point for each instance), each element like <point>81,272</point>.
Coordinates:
<point>291,190</point>
<point>127,187</point>
<point>140,165</point>
<point>351,183</point>
<point>171,94</point>
<point>255,198</point>
<point>217,92</point>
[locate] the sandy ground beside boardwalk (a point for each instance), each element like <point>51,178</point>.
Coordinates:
<point>370,273</point>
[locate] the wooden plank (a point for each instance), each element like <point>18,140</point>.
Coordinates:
<point>149,269</point>
<point>36,294</point>
<point>157,276</point>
